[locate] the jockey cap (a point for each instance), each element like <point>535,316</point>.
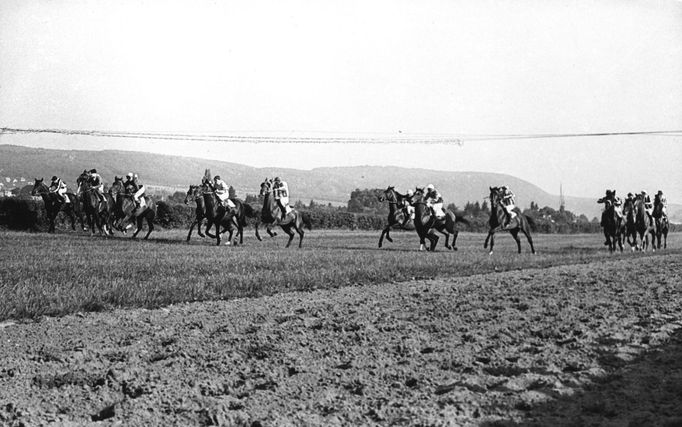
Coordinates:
<point>217,177</point>
<point>660,193</point>
<point>130,175</point>
<point>630,195</point>
<point>54,178</point>
<point>430,187</point>
<point>93,170</point>
<point>277,179</point>
<point>643,192</point>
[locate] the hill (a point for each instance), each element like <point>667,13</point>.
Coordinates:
<point>326,185</point>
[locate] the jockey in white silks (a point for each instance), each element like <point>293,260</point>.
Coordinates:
<point>659,199</point>
<point>139,190</point>
<point>509,203</point>
<point>57,186</point>
<point>407,207</point>
<point>280,190</point>
<point>434,201</point>
<point>222,191</point>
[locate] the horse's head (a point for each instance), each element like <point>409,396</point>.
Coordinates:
<point>117,187</point>
<point>494,195</point>
<point>418,195</point>
<point>388,195</point>
<point>39,187</point>
<point>265,187</point>
<point>193,192</point>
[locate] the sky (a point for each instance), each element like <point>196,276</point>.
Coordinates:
<point>387,70</point>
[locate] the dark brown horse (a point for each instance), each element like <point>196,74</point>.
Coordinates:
<point>271,214</point>
<point>426,223</point>
<point>662,225</point>
<point>54,204</point>
<point>194,193</point>
<point>520,222</point>
<point>630,228</point>
<point>612,224</point>
<point>398,218</point>
<point>97,211</point>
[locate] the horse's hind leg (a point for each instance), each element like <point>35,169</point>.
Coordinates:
<point>300,232</point>
<point>515,235</point>
<point>384,232</point>
<point>150,226</point>
<point>191,227</point>
<point>291,235</point>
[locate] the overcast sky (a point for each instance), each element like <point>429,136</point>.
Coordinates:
<point>360,69</point>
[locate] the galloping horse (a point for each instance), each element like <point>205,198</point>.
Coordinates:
<point>630,233</point>
<point>425,223</point>
<point>271,215</point>
<point>611,223</point>
<point>126,210</point>
<point>217,214</point>
<point>661,226</point>
<point>54,204</point>
<point>644,224</point>
<point>195,193</point>
<point>520,222</point>
<point>397,218</point>
<point>97,212</point>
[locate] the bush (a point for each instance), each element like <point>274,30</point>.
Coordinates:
<point>22,213</point>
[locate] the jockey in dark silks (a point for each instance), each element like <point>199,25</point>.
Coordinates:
<point>660,200</point>
<point>617,207</point>
<point>96,183</point>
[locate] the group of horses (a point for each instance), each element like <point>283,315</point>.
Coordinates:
<point>426,223</point>
<point>636,226</point>
<point>117,210</point>
<point>228,218</point>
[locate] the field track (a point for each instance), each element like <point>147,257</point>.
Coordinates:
<point>573,336</point>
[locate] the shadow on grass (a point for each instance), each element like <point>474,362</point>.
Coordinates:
<point>646,391</point>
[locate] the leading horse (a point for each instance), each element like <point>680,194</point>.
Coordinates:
<point>55,204</point>
<point>271,215</point>
<point>97,211</point>
<point>630,228</point>
<point>397,217</point>
<point>612,225</point>
<point>520,222</point>
<point>426,223</point>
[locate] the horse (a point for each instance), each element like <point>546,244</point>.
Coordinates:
<point>397,217</point>
<point>520,222</point>
<point>125,210</point>
<point>271,215</point>
<point>55,204</point>
<point>645,224</point>
<point>612,225</point>
<point>98,212</point>
<point>216,213</point>
<point>630,229</point>
<point>195,193</point>
<point>661,226</point>
<point>425,223</point>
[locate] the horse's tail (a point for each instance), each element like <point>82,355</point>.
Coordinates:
<point>460,218</point>
<point>307,220</point>
<point>531,222</point>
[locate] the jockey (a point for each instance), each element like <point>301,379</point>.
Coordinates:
<point>435,201</point>
<point>617,204</point>
<point>222,190</point>
<point>83,177</point>
<point>129,184</point>
<point>659,199</point>
<point>408,209</point>
<point>139,190</point>
<point>58,187</point>
<point>648,206</point>
<point>96,183</point>
<point>280,191</point>
<point>508,202</point>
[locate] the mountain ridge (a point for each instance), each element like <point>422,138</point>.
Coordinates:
<point>322,184</point>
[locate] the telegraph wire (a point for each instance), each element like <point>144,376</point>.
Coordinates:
<point>446,139</point>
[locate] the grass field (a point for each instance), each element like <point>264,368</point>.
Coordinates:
<point>57,274</point>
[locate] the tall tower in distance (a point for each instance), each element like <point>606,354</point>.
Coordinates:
<point>562,201</point>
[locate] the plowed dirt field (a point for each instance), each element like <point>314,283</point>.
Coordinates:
<point>588,344</point>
